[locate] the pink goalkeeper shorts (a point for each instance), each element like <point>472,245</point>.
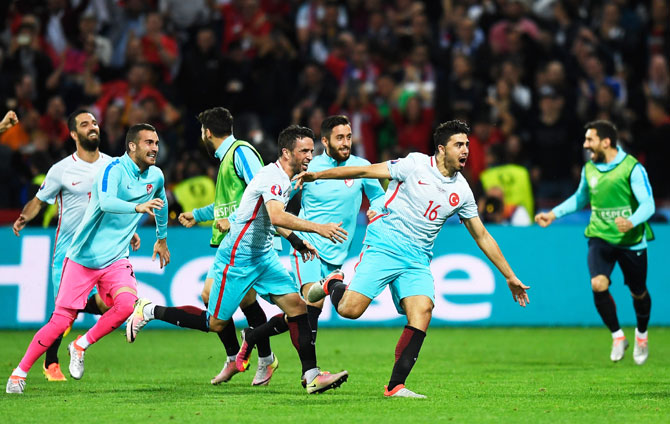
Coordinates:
<point>78,281</point>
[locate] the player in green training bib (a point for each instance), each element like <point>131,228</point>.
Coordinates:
<point>239,163</point>
<point>617,187</point>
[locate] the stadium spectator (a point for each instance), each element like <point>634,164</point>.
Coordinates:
<point>656,145</point>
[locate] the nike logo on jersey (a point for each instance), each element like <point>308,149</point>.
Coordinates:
<point>74,184</point>
<point>422,183</point>
<point>317,182</point>
<point>40,343</point>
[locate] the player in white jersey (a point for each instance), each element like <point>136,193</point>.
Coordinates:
<point>424,192</point>
<point>246,259</point>
<point>69,183</point>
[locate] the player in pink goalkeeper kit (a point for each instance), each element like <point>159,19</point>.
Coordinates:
<point>98,256</point>
<point>398,247</point>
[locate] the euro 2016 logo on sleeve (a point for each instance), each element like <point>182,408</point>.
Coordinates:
<point>276,190</point>
<point>149,188</point>
<point>454,199</point>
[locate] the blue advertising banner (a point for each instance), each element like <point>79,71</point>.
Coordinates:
<point>469,291</point>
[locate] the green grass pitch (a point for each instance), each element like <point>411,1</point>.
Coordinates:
<point>470,375</point>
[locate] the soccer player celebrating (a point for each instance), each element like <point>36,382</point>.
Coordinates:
<point>332,201</point>
<point>98,255</point>
<point>424,192</point>
<point>69,182</point>
<point>246,259</point>
<point>239,163</point>
<point>617,187</point>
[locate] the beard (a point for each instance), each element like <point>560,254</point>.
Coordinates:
<point>209,146</point>
<point>597,157</point>
<point>338,155</point>
<point>90,145</point>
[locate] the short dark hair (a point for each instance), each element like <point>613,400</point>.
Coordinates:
<point>72,119</point>
<point>218,120</point>
<point>445,130</point>
<point>604,129</point>
<point>291,134</point>
<point>134,132</point>
<point>331,122</point>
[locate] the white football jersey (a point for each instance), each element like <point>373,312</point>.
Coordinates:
<point>69,182</point>
<point>251,233</point>
<point>419,199</point>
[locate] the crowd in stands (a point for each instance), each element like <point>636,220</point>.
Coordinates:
<point>526,75</point>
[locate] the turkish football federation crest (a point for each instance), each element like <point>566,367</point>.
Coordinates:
<point>349,182</point>
<point>454,199</point>
<point>149,188</point>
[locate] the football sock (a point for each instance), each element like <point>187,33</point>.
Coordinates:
<point>336,289</point>
<point>256,317</point>
<point>313,317</point>
<point>228,337</point>
<point>83,342</point>
<point>92,307</point>
<point>183,316</point>
<point>642,310</point>
<point>19,372</point>
<point>406,353</point>
<point>60,320</point>
<point>607,309</point>
<point>276,325</point>
<point>301,336</point>
<point>124,303</point>
<point>618,334</point>
<point>52,353</point>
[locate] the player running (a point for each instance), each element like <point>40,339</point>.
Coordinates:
<point>424,192</point>
<point>246,258</point>
<point>98,255</point>
<point>617,187</point>
<point>69,182</point>
<point>239,163</point>
<point>332,201</point>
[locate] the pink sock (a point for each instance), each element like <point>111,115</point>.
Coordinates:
<point>112,319</point>
<point>60,320</point>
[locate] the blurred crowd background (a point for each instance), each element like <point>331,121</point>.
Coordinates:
<point>526,75</point>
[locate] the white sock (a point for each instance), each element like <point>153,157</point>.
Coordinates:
<point>19,372</point>
<point>232,358</point>
<point>617,334</point>
<point>640,335</point>
<point>148,311</point>
<point>266,360</point>
<point>83,342</point>
<point>311,374</point>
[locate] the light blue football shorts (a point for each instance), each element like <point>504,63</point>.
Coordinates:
<point>405,277</point>
<point>231,283</point>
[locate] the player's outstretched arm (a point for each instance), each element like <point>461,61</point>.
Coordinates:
<point>544,219</point>
<point>490,248</point>
<point>377,170</point>
<point>30,211</point>
<point>280,218</point>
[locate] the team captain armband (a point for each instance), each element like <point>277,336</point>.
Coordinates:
<point>297,243</point>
